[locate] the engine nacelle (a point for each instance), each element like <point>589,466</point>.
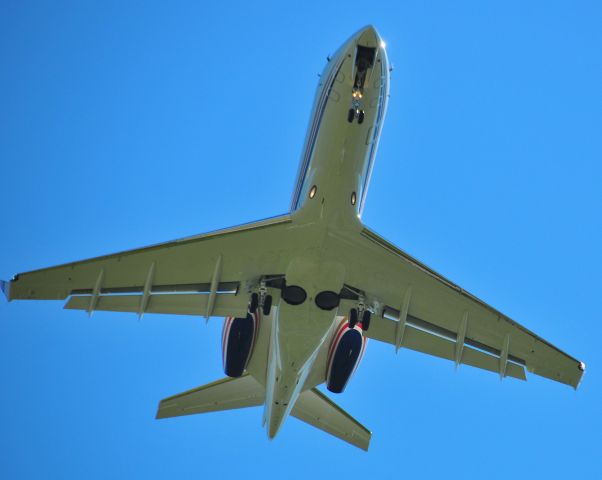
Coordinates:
<point>344,355</point>
<point>238,339</point>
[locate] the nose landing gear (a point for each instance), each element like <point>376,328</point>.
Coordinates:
<point>364,60</point>
<point>360,117</point>
<point>351,115</point>
<point>356,113</point>
<point>356,110</point>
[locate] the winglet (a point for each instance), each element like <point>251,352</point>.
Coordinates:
<point>5,287</point>
<point>581,367</point>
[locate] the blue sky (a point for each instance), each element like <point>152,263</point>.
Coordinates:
<point>128,123</point>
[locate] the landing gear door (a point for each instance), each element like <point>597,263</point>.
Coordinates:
<point>364,61</point>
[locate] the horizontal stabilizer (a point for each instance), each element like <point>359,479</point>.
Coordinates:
<point>318,410</point>
<point>225,394</point>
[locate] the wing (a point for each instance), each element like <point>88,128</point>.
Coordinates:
<point>199,275</point>
<point>424,311</point>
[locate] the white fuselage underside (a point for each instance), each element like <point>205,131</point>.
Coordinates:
<point>290,355</point>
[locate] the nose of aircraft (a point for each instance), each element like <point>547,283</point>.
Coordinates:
<point>368,37</point>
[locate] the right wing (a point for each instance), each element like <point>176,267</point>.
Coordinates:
<point>198,275</point>
<point>428,313</point>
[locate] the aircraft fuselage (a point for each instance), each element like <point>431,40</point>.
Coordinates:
<point>329,194</point>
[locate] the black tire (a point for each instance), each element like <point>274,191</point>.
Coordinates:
<point>351,115</point>
<point>267,305</point>
<point>360,117</point>
<point>254,303</point>
<point>366,320</point>
<point>353,317</point>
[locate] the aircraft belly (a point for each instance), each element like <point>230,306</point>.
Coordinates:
<point>341,153</point>
<point>298,334</point>
<point>259,358</point>
<point>301,331</point>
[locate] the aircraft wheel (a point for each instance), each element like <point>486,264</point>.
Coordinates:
<point>267,305</point>
<point>353,317</point>
<point>254,303</point>
<point>350,115</point>
<point>366,320</point>
<point>360,116</point>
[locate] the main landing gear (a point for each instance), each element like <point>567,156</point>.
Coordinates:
<point>356,314</point>
<point>261,299</point>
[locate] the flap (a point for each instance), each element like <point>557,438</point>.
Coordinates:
<point>419,340</point>
<point>174,304</point>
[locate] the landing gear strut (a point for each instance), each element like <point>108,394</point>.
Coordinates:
<point>361,313</point>
<point>356,110</point>
<point>265,300</point>
<point>261,299</point>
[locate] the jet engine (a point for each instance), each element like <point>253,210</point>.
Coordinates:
<point>238,339</point>
<point>344,355</point>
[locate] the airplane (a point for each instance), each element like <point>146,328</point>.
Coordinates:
<point>302,293</point>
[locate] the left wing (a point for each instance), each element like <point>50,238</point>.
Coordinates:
<point>424,311</point>
<point>196,275</point>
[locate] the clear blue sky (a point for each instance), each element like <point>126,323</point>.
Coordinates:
<point>128,123</point>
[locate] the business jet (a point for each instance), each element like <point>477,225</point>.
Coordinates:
<point>302,293</point>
